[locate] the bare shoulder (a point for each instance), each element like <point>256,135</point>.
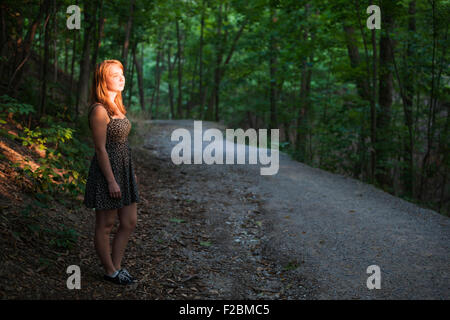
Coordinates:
<point>99,114</point>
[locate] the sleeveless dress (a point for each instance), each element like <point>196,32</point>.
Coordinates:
<point>119,152</point>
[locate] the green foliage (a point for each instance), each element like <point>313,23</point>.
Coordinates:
<point>62,148</point>
<point>63,238</point>
<point>11,105</point>
<point>41,178</point>
<point>37,228</point>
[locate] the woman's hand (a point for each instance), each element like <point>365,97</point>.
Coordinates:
<point>114,190</point>
<point>135,178</point>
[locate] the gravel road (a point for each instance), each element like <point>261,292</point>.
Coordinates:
<point>304,233</point>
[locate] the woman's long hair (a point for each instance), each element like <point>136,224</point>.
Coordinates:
<point>99,90</point>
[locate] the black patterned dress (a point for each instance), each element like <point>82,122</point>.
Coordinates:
<point>97,193</point>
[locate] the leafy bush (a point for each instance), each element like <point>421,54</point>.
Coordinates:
<point>62,152</point>
<point>65,238</point>
<point>11,105</point>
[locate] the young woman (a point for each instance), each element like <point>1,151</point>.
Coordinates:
<point>111,187</point>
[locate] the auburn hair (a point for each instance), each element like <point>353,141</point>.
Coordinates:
<point>99,90</point>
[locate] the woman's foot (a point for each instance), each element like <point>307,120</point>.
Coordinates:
<point>128,275</point>
<point>118,277</point>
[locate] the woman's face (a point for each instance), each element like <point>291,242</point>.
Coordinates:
<point>115,80</point>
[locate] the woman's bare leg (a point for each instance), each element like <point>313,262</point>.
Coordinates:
<point>128,219</point>
<point>104,222</point>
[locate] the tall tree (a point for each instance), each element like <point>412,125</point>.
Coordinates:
<point>24,51</point>
<point>180,71</point>
<point>158,72</point>
<point>305,89</point>
<point>99,34</point>
<point>126,42</point>
<point>44,79</point>
<point>273,53</point>
<point>140,77</point>
<point>213,108</point>
<point>201,91</point>
<point>386,91</point>
<point>83,79</point>
<point>169,80</point>
<point>408,81</point>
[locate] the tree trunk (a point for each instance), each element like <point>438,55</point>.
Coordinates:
<point>66,56</point>
<point>158,71</point>
<point>192,94</point>
<point>130,93</point>
<point>200,81</point>
<point>180,80</point>
<point>373,111</point>
<point>355,60</point>
<point>45,63</point>
<point>305,86</point>
<point>435,80</point>
<point>55,49</point>
<point>139,72</point>
<point>99,34</point>
<point>172,113</point>
<point>408,171</point>
<point>445,151</point>
<point>212,112</point>
<point>25,51</point>
<point>83,82</point>
<point>72,65</point>
<point>372,91</point>
<point>385,98</point>
<point>126,43</point>
<point>302,120</point>
<point>273,52</point>
<point>212,109</point>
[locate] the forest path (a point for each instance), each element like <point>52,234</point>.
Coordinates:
<point>304,232</point>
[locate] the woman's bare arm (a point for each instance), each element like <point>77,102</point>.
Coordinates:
<point>99,121</point>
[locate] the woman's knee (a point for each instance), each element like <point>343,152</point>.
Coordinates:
<point>104,228</point>
<point>129,223</point>
<point>128,217</point>
<point>105,221</point>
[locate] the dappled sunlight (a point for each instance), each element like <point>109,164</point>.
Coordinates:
<point>9,176</point>
<point>16,157</point>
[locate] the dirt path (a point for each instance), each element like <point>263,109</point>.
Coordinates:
<point>230,261</point>
<point>304,233</point>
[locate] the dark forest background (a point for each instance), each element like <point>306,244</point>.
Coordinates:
<point>370,104</point>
